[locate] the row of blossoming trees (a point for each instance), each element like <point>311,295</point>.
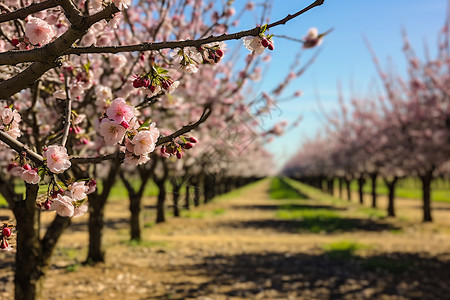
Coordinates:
<point>98,89</point>
<point>404,132</point>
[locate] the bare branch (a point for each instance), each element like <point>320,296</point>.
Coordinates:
<point>20,148</point>
<point>67,116</point>
<point>22,13</point>
<point>290,17</point>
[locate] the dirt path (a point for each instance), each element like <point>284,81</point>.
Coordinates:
<point>239,247</point>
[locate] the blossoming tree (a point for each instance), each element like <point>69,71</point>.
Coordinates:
<point>71,102</point>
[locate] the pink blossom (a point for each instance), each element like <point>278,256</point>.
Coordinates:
<point>144,142</point>
<point>133,160</point>
<point>78,190</point>
<point>118,61</point>
<point>30,176</point>
<point>119,111</point>
<point>38,31</point>
<point>80,210</point>
<point>253,43</point>
<point>63,206</point>
<point>57,159</point>
<point>111,131</point>
<point>122,4</point>
<point>312,39</point>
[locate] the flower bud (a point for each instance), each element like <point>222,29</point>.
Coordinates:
<point>264,42</point>
<point>47,205</point>
<point>179,155</point>
<point>125,124</point>
<point>4,244</point>
<point>270,47</point>
<point>188,146</point>
<point>11,166</point>
<point>26,167</point>
<point>15,42</point>
<point>193,139</point>
<point>6,232</point>
<point>219,52</point>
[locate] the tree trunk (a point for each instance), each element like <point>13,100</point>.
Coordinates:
<point>391,194</point>
<point>96,253</point>
<point>30,271</point>
<point>426,196</point>
<point>136,217</point>
<point>176,197</point>
<point>196,194</point>
<point>340,187</point>
<point>187,196</point>
<point>97,204</point>
<point>330,186</point>
<point>347,185</point>
<point>373,178</point>
<point>33,254</point>
<point>361,182</point>
<point>160,216</point>
<point>207,188</point>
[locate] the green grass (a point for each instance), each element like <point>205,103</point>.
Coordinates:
<point>145,244</point>
<point>315,220</point>
<point>73,267</point>
<point>408,188</point>
<point>343,249</point>
<point>314,193</point>
<point>280,189</point>
<point>194,214</point>
<point>372,213</point>
<point>149,224</point>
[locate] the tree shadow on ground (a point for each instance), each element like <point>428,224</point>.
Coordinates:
<point>292,206</point>
<point>307,276</point>
<point>332,224</point>
<point>119,223</point>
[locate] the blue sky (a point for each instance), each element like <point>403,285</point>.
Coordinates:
<point>344,56</point>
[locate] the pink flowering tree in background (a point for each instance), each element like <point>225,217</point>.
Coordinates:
<point>404,132</point>
<point>88,86</point>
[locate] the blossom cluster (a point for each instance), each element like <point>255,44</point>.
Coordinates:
<point>120,126</point>
<point>5,235</point>
<point>258,43</point>
<point>176,147</point>
<point>212,53</point>
<point>155,81</point>
<point>9,121</point>
<point>71,202</point>
<point>187,59</point>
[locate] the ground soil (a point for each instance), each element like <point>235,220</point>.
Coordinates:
<point>237,248</point>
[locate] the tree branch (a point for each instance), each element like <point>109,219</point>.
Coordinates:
<point>50,54</point>
<point>67,116</point>
<point>19,148</point>
<point>14,57</point>
<point>161,140</point>
<point>22,13</point>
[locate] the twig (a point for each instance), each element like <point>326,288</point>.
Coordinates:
<point>22,13</point>
<point>14,57</point>
<point>120,155</point>
<point>20,148</point>
<point>67,116</point>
